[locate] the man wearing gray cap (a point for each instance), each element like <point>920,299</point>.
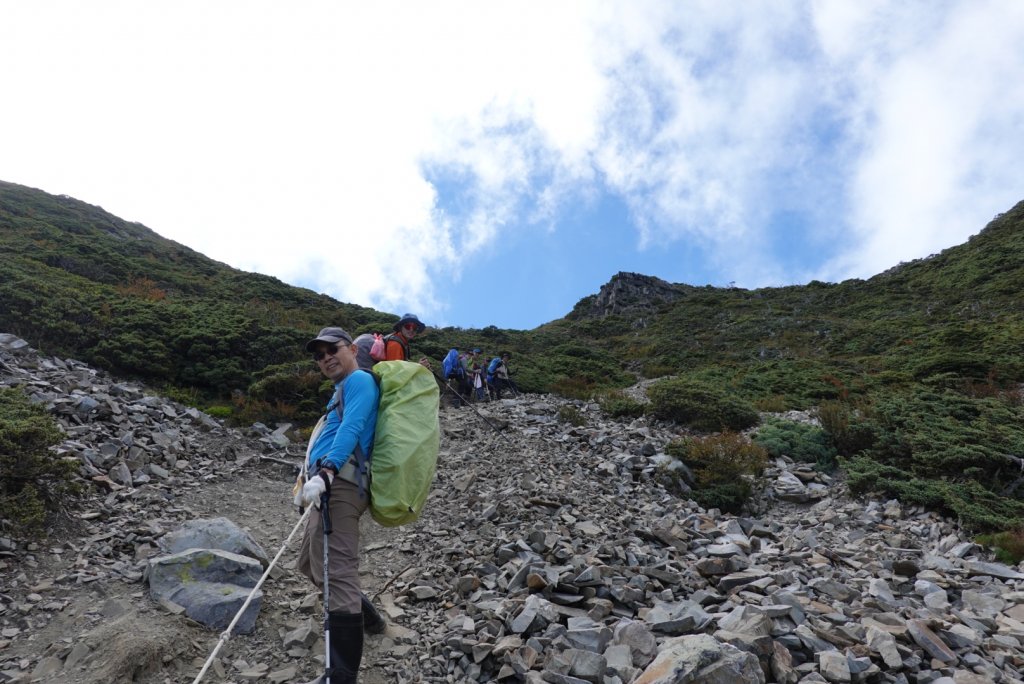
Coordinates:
<point>347,432</point>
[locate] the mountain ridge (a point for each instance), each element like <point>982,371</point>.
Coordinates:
<point>907,363</point>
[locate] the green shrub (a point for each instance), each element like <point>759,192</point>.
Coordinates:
<point>799,441</point>
<point>776,403</point>
<point>33,482</point>
<point>618,405</point>
<point>797,383</point>
<point>658,370</point>
<point>285,392</point>
<point>571,415</point>
<point>944,435</point>
<point>723,466</point>
<point>976,508</point>
<point>219,411</point>
<point>573,388</point>
<point>1009,545</point>
<point>249,410</point>
<point>846,426</point>
<point>700,406</point>
<point>286,383</point>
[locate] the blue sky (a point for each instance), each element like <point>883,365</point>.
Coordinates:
<point>480,163</point>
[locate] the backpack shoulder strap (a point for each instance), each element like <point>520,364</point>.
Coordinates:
<point>362,464</point>
<point>338,402</point>
<point>401,341</point>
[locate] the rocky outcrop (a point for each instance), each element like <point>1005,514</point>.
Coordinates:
<point>208,585</point>
<point>630,294</point>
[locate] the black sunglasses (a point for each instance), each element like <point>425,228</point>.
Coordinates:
<point>331,350</point>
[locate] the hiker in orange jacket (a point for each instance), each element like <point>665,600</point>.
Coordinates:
<point>405,330</point>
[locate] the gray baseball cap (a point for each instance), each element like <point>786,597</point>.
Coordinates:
<point>330,336</point>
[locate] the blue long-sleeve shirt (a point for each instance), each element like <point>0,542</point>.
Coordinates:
<point>338,439</point>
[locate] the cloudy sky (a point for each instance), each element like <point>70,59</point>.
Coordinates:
<point>492,163</point>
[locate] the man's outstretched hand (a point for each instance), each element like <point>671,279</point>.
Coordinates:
<point>316,487</point>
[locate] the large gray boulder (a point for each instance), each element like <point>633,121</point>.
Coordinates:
<point>209,584</point>
<point>14,344</point>
<point>701,658</point>
<point>213,533</point>
<point>215,604</point>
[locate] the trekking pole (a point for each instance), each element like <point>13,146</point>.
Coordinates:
<point>511,385</point>
<point>325,520</point>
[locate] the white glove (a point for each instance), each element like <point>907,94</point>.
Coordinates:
<point>316,487</point>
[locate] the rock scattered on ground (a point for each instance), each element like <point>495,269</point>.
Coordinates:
<point>546,553</point>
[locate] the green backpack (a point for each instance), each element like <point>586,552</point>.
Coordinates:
<point>405,444</point>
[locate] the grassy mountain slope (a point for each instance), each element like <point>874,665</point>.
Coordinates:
<point>918,371</point>
<point>958,311</point>
<point>78,281</point>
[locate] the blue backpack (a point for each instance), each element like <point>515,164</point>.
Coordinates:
<point>492,367</point>
<point>451,367</point>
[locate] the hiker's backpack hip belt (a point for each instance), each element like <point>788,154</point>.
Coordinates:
<point>349,472</point>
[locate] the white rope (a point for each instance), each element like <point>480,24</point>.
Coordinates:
<point>227,632</point>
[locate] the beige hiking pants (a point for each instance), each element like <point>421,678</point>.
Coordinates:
<point>342,548</point>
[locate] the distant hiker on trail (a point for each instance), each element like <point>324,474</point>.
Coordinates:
<point>497,375</point>
<point>333,478</point>
<point>453,374</point>
<point>397,344</point>
<point>474,375</point>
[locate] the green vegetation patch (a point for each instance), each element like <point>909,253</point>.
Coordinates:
<point>700,406</point>
<point>723,466</point>
<point>800,441</point>
<point>33,481</point>
<point>976,508</point>
<point>1008,545</point>
<point>617,405</point>
<point>572,416</point>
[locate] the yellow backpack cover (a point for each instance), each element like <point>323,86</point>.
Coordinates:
<point>406,442</point>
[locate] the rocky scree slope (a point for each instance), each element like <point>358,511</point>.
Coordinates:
<point>547,552</point>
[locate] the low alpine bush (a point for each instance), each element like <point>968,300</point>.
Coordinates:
<point>975,507</point>
<point>700,406</point>
<point>218,411</point>
<point>1009,545</point>
<point>571,415</point>
<point>618,405</point>
<point>846,425</point>
<point>723,467</point>
<point>33,481</point>
<point>800,441</point>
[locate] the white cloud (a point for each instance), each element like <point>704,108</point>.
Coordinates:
<point>305,140</point>
<point>945,122</point>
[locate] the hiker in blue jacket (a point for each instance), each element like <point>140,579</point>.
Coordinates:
<point>331,469</point>
<point>498,375</point>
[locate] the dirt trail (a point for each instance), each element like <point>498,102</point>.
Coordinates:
<point>125,637</point>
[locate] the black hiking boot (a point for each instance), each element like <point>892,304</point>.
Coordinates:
<point>346,646</point>
<point>373,621</point>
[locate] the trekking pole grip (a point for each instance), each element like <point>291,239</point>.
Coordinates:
<point>325,514</point>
